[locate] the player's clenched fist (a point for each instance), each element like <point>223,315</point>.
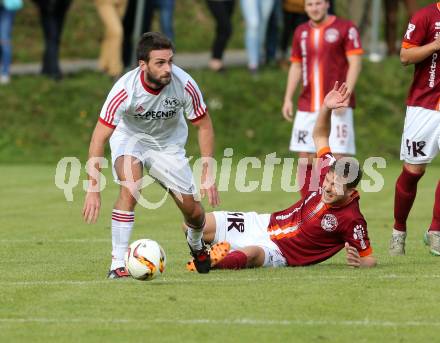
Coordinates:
<point>352,255</point>
<point>287,110</point>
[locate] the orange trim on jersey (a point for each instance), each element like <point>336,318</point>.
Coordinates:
<point>295,59</point>
<point>323,151</point>
<point>438,105</point>
<point>407,45</point>
<point>353,196</point>
<point>102,121</point>
<point>354,52</point>
<point>330,19</point>
<point>438,5</point>
<point>366,253</point>
<point>285,235</point>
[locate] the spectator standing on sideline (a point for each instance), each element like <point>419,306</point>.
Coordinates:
<point>7,15</point>
<point>128,26</point>
<point>391,9</point>
<point>293,15</point>
<point>222,11</point>
<point>111,13</point>
<point>272,33</point>
<point>166,9</point>
<point>52,15</point>
<point>256,14</point>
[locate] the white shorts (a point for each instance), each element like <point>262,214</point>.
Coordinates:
<point>243,229</point>
<point>421,135</point>
<point>341,135</point>
<point>169,167</point>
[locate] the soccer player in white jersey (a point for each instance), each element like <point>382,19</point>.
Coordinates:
<point>143,117</point>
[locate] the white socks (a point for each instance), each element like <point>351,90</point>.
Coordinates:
<point>122,224</point>
<point>194,238</point>
<point>399,233</point>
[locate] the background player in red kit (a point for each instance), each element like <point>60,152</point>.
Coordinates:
<point>324,50</point>
<point>308,232</point>
<point>421,133</point>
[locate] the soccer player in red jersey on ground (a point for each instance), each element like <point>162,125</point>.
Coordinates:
<point>421,133</point>
<point>144,117</point>
<point>324,50</point>
<point>308,232</point>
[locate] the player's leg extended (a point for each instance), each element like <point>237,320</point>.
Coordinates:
<point>247,257</point>
<point>405,194</point>
<point>129,172</point>
<point>194,217</point>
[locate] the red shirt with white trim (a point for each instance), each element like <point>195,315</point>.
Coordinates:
<point>322,51</point>
<point>310,231</point>
<point>132,107</point>
<point>424,28</point>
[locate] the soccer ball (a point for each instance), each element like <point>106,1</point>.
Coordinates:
<point>145,259</point>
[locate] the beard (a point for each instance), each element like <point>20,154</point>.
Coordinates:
<point>158,81</point>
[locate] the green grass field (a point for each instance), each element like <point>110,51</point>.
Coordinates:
<point>53,267</point>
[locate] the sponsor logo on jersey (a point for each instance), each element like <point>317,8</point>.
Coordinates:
<point>432,70</point>
<point>171,103</point>
<point>329,222</point>
<point>156,115</point>
<point>359,235</point>
<point>409,30</point>
<point>303,45</point>
<point>354,36</point>
<point>331,35</point>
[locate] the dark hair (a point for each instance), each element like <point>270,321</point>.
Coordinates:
<point>350,164</point>
<point>152,41</point>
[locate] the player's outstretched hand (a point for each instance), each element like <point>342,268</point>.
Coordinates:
<point>353,258</point>
<point>287,110</point>
<point>338,97</point>
<point>92,205</point>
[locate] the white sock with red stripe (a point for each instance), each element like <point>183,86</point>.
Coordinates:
<point>122,224</point>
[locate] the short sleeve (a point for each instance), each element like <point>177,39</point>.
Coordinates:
<point>356,235</point>
<point>415,32</point>
<point>114,106</point>
<point>194,106</point>
<point>296,56</point>
<point>352,42</point>
<point>324,162</point>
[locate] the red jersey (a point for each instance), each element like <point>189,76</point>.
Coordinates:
<point>311,231</point>
<point>424,28</point>
<point>322,51</point>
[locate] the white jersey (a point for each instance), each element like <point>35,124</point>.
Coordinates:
<point>133,108</point>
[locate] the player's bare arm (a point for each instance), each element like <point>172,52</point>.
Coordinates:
<point>338,97</point>
<point>354,69</point>
<point>355,260</point>
<point>417,54</point>
<point>292,83</point>
<point>92,203</point>
<point>206,144</point>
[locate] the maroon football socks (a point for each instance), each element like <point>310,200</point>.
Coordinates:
<point>233,260</point>
<point>406,190</point>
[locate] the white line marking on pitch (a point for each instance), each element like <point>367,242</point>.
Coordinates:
<point>243,321</point>
<point>71,240</point>
<point>216,280</point>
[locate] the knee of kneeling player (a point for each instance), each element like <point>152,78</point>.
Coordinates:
<point>255,257</point>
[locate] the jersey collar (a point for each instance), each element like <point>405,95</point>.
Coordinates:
<point>148,89</point>
<point>353,196</point>
<point>330,19</point>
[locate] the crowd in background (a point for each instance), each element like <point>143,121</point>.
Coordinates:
<point>269,25</point>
